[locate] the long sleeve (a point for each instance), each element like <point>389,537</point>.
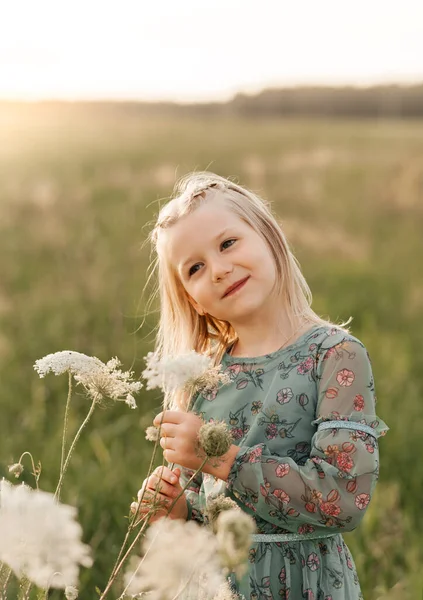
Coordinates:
<point>192,493</point>
<point>334,486</point>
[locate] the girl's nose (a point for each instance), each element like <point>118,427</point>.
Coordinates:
<point>220,270</point>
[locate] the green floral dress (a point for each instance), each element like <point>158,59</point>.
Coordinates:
<point>304,418</point>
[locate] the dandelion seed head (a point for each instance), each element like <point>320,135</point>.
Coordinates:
<point>152,434</point>
<point>195,561</point>
<point>215,438</point>
<point>16,469</point>
<point>40,538</point>
<point>234,530</point>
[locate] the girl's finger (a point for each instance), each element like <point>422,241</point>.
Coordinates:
<point>166,475</point>
<point>146,503</point>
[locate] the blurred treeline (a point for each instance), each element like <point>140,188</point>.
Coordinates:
<point>381,101</point>
<point>79,188</point>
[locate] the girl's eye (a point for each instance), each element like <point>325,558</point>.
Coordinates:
<point>193,269</point>
<point>227,243</point>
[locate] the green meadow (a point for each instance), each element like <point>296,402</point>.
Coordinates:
<point>79,189</point>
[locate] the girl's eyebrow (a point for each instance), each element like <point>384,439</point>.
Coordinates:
<point>215,239</point>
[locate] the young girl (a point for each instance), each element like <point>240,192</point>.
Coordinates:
<point>300,405</point>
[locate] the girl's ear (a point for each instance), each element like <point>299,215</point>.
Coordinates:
<point>196,306</point>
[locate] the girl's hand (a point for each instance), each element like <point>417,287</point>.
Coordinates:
<point>179,431</point>
<point>169,488</point>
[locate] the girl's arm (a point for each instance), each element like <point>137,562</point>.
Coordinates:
<point>334,487</point>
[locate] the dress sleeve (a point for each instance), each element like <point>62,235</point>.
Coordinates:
<point>192,493</point>
<point>333,488</point>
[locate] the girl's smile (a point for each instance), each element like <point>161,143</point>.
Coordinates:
<point>238,285</point>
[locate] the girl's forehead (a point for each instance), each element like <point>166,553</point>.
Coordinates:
<point>194,231</point>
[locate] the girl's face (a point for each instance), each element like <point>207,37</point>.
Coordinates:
<point>224,265</point>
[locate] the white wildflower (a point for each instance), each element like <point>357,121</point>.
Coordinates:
<point>16,469</point>
<point>67,360</point>
<point>40,538</point>
<point>111,382</point>
<point>71,592</point>
<point>152,433</point>
<point>191,372</point>
<point>234,530</point>
<point>99,380</point>
<point>193,570</point>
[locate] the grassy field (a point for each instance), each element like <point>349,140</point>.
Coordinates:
<point>78,189</point>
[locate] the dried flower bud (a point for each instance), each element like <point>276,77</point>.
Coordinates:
<point>152,433</point>
<point>71,592</point>
<point>215,438</point>
<point>16,469</point>
<point>217,505</point>
<point>234,530</point>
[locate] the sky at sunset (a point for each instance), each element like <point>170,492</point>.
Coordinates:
<point>189,50</point>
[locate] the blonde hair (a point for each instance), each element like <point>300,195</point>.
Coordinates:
<point>180,327</point>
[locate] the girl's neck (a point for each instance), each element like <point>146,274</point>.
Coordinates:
<point>264,338</point>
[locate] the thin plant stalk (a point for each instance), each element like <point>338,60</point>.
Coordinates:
<point>72,447</point>
<point>146,519</point>
<point>184,587</point>
<point>5,574</point>
<point>24,589</point>
<point>134,521</point>
<point>137,537</point>
<point>136,570</point>
<point>65,423</point>
<point>36,472</point>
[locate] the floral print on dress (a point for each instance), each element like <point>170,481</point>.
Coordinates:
<point>291,475</point>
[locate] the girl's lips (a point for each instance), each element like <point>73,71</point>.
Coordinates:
<point>237,288</point>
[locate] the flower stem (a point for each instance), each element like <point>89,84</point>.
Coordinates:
<point>5,573</point>
<point>137,537</point>
<point>65,423</point>
<point>72,447</point>
<point>35,472</point>
<point>134,521</point>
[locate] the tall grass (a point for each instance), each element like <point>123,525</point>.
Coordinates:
<point>78,189</point>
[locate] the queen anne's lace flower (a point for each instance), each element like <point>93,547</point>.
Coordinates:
<point>40,538</point>
<point>194,568</point>
<point>111,382</point>
<point>191,372</point>
<point>99,380</point>
<point>67,360</point>
<point>152,434</point>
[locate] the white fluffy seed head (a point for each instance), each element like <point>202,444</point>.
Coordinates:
<point>194,568</point>
<point>40,538</point>
<point>191,372</point>
<point>100,380</point>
